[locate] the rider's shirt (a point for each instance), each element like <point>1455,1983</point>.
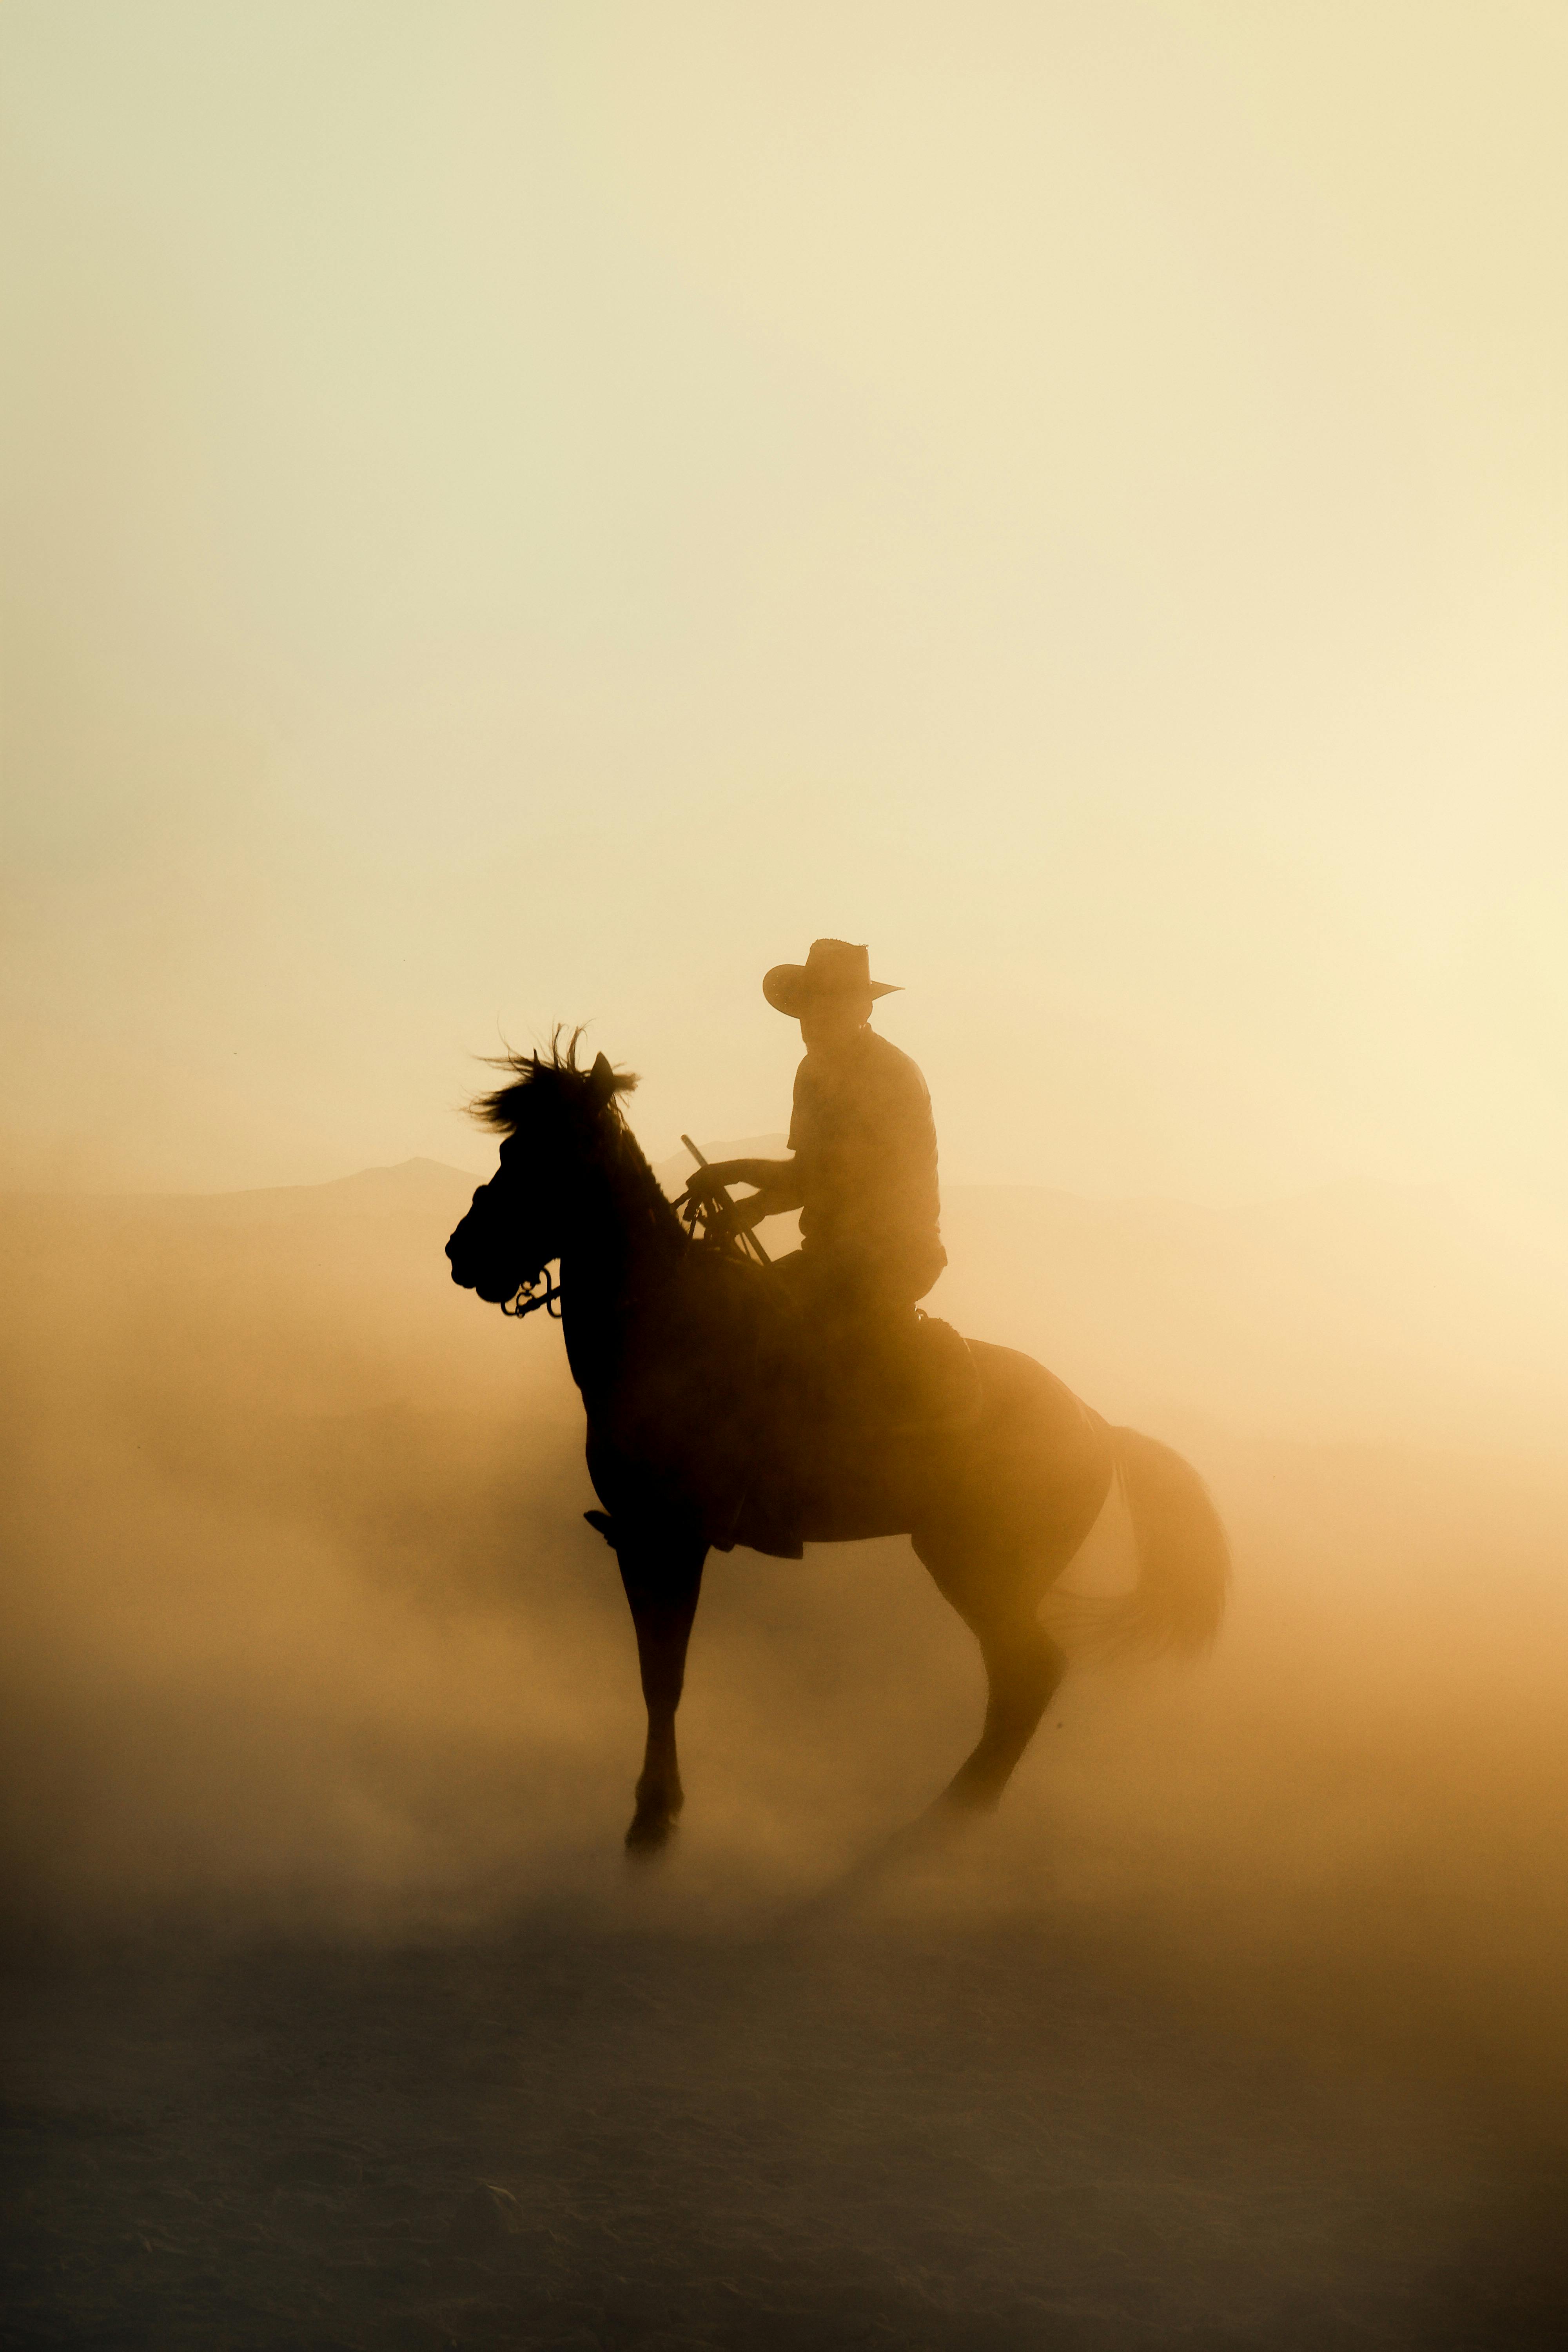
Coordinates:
<point>865,1149</point>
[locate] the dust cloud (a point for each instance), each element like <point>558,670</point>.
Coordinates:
<point>308,1653</point>
<point>305,1624</point>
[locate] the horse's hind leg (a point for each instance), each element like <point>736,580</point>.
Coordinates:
<point>998,1598</point>
<point>662,1582</point>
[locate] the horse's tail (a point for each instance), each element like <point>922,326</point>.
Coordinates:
<point>1183,1559</point>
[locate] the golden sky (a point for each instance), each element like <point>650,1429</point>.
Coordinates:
<point>518,513</point>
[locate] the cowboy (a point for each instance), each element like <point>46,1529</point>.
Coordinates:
<point>863,1174</point>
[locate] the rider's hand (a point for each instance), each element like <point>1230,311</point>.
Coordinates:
<point>706,1182</point>
<point>718,1222</point>
<point>722,1219</point>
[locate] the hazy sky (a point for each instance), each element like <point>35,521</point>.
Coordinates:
<point>517,513</point>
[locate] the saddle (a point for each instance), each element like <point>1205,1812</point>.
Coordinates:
<point>818,1392</point>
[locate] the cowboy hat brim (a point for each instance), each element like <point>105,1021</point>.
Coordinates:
<point>791,989</point>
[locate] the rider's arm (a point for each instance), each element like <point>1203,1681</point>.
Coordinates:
<point>777,1182</point>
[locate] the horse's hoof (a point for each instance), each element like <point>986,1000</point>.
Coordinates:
<point>965,1796</point>
<point>931,1833</point>
<point>649,1835</point>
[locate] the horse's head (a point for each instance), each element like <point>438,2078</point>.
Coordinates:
<point>555,1119</point>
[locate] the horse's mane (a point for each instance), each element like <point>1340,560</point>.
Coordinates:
<point>595,1094</point>
<point>554,1071</point>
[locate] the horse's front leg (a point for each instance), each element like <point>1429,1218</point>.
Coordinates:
<point>662,1580</point>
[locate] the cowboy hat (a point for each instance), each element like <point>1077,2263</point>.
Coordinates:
<point>832,968</point>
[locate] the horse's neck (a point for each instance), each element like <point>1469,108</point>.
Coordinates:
<point>622,1249</point>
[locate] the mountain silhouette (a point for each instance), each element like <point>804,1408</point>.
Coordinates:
<point>1356,1310</point>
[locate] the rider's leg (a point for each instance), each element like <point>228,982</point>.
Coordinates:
<point>663,1577</point>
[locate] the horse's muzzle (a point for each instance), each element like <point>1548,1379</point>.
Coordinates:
<point>476,1265</point>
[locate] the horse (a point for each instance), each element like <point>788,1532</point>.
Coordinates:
<point>661,1333</point>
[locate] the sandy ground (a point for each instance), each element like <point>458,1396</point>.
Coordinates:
<point>599,2135</point>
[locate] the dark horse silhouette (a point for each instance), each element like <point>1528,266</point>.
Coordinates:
<point>661,1335</point>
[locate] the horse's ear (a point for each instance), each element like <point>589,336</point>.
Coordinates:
<point>602,1080</point>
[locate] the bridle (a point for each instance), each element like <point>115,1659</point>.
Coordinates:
<point>529,1298</point>
<point>544,1291</point>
